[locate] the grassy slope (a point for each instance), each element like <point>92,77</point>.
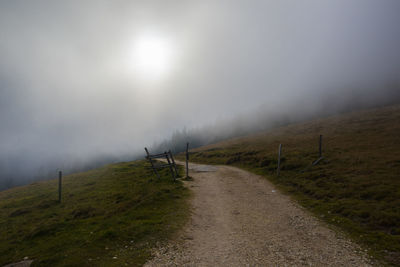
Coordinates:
<point>115,211</point>
<point>356,188</point>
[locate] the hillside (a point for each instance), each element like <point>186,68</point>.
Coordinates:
<point>355,187</point>
<point>111,216</point>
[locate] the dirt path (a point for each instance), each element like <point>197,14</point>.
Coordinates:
<point>240,220</point>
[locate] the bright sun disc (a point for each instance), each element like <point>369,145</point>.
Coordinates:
<point>151,56</point>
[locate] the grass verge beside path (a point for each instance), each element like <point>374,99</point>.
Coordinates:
<point>356,187</point>
<point>111,216</point>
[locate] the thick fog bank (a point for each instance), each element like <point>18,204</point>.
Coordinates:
<point>265,118</point>
<point>83,83</point>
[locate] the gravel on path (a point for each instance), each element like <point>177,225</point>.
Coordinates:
<point>240,219</point>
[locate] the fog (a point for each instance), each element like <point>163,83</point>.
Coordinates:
<point>72,95</point>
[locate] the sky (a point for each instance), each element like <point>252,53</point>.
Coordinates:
<point>81,80</point>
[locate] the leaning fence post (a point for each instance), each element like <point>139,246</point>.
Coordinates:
<point>173,163</point>
<point>151,162</point>
<point>187,159</point>
<point>59,185</point>
<point>320,145</point>
<point>279,160</point>
<point>169,164</point>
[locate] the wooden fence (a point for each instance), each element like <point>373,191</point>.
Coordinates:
<point>320,158</point>
<point>155,165</point>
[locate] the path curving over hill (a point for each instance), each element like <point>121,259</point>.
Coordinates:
<point>239,219</point>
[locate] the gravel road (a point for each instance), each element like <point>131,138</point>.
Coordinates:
<point>240,219</point>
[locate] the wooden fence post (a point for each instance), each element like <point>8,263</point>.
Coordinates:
<point>151,162</point>
<point>320,146</point>
<point>187,160</point>
<point>170,167</point>
<point>320,152</point>
<point>59,185</point>
<point>173,163</point>
<point>279,159</point>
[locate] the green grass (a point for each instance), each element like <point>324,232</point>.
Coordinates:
<point>356,188</point>
<point>120,210</point>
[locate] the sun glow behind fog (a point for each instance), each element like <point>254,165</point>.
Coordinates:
<point>152,57</point>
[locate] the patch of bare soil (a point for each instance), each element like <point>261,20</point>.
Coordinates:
<point>240,219</point>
